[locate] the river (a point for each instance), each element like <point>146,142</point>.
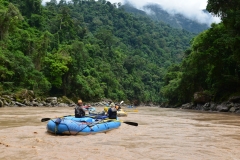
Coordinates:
<point>162,134</point>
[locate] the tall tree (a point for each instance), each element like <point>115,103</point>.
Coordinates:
<point>228,11</point>
<point>9,19</point>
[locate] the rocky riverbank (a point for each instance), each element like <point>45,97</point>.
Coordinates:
<point>27,98</point>
<point>200,102</point>
<point>203,102</point>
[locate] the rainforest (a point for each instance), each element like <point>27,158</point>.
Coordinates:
<point>94,49</point>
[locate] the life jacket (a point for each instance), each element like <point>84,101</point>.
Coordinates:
<point>112,113</point>
<point>79,112</point>
<point>106,109</point>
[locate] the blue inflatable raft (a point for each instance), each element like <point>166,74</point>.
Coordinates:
<point>74,126</point>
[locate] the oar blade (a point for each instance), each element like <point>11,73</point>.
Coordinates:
<point>45,119</point>
<point>131,110</point>
<point>131,123</point>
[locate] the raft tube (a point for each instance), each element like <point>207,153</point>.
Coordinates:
<point>82,126</point>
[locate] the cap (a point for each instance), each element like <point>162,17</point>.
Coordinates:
<point>79,101</point>
<point>112,105</point>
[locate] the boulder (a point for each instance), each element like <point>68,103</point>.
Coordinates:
<point>187,106</point>
<point>1,103</point>
<point>62,105</point>
<point>234,99</point>
<point>232,109</point>
<point>202,98</point>
<point>206,106</point>
<point>222,108</point>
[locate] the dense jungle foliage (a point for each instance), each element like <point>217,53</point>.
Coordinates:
<point>212,64</point>
<point>93,50</point>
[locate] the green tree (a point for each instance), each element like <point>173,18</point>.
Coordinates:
<point>9,19</point>
<point>56,65</point>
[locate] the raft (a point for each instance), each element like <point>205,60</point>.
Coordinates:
<point>120,112</point>
<point>81,126</point>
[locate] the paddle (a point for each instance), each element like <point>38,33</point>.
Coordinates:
<point>131,110</point>
<point>45,119</point>
<point>126,122</point>
<point>131,123</point>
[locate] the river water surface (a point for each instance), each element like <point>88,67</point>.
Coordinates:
<point>162,134</point>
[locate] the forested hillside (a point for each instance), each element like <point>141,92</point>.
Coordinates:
<point>87,49</point>
<point>212,65</point>
<point>155,12</point>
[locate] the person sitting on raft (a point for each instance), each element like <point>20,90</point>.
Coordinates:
<point>118,107</point>
<point>112,112</point>
<point>79,111</point>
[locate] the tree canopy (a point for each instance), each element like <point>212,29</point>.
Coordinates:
<point>211,65</point>
<point>86,49</point>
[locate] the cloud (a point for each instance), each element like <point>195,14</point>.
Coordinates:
<point>189,8</point>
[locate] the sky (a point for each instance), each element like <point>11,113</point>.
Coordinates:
<point>190,8</point>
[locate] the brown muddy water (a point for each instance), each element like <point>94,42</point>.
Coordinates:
<point>162,134</point>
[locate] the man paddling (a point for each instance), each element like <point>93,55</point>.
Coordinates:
<point>112,112</point>
<point>79,111</point>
